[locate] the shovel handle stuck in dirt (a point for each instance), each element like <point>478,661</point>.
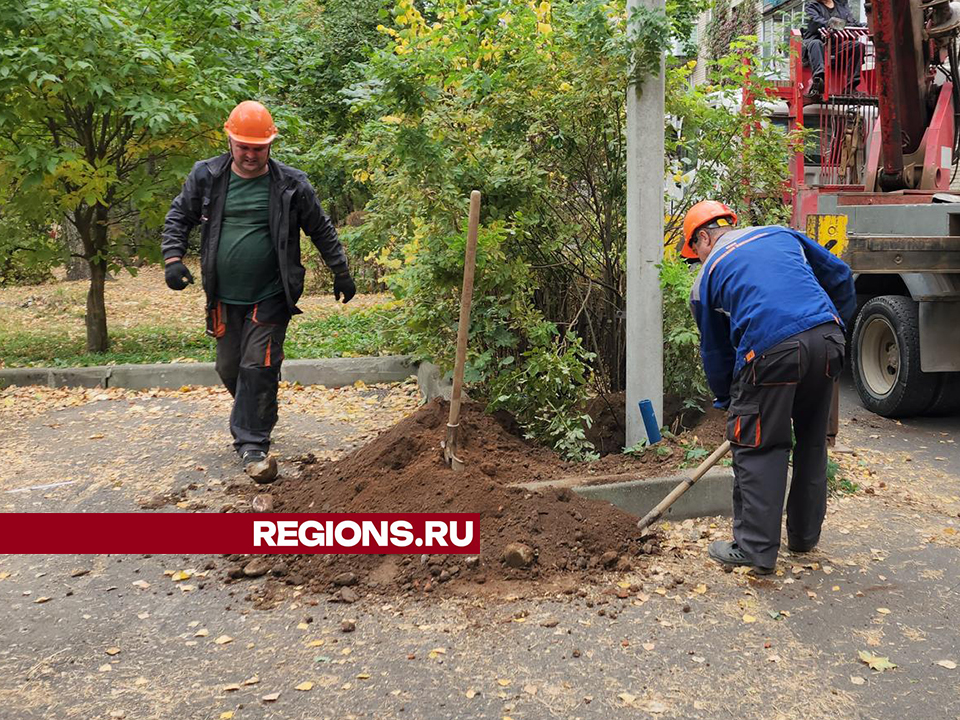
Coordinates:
<point>655,514</point>
<point>450,443</point>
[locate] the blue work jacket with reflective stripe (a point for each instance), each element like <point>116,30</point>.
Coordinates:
<point>759,286</point>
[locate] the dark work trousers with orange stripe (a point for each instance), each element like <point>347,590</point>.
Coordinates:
<point>792,381</point>
<point>249,353</point>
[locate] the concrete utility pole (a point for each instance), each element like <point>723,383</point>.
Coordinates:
<point>644,245</point>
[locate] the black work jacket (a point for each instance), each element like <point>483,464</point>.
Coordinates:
<point>818,16</point>
<point>293,205</point>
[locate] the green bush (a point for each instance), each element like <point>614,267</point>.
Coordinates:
<point>516,359</point>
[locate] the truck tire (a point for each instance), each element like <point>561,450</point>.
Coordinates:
<point>886,358</point>
<point>946,400</point>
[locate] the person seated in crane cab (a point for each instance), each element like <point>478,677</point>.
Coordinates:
<point>831,15</point>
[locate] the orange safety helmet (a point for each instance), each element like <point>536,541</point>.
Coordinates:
<point>699,215</point>
<point>250,123</point>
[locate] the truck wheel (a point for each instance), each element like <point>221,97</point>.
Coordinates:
<point>946,401</point>
<point>886,358</point>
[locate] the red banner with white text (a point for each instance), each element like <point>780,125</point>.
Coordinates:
<point>239,533</point>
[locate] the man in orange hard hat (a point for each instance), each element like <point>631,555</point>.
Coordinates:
<point>250,209</point>
<point>771,306</point>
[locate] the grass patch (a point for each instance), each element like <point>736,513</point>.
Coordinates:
<point>836,483</point>
<point>340,335</point>
<point>127,345</point>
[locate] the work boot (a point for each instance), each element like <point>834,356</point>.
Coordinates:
<point>816,90</point>
<point>260,466</point>
<point>729,553</point>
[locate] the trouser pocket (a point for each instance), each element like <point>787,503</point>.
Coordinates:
<point>216,321</point>
<point>835,351</point>
<point>743,425</point>
<point>780,365</point>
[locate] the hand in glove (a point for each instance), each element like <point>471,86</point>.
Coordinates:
<point>343,285</point>
<point>177,275</point>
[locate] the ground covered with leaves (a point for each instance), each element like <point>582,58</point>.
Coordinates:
<point>863,627</point>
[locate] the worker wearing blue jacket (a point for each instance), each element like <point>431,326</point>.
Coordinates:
<point>771,305</point>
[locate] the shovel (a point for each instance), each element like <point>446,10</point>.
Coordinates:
<point>451,441</point>
<point>651,517</point>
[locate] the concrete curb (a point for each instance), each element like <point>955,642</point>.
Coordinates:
<point>712,495</point>
<point>331,372</point>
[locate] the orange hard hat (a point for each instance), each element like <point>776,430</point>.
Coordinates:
<point>250,123</point>
<point>703,212</point>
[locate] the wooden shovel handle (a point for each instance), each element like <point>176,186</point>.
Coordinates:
<point>466,297</point>
<point>655,514</point>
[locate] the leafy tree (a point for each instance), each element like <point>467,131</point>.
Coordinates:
<point>722,144</point>
<point>103,103</point>
<point>310,55</point>
<point>526,102</point>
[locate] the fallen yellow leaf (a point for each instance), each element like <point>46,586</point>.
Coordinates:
<point>363,676</point>
<point>112,650</point>
<point>883,611</point>
<point>503,683</point>
<point>303,626</point>
<point>305,686</point>
<point>223,640</point>
<point>201,633</point>
<point>251,681</point>
<point>181,575</point>
<point>749,619</point>
<point>315,643</point>
<point>948,664</point>
<point>875,662</point>
<point>228,715</point>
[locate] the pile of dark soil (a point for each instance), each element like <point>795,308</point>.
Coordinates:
<point>403,470</point>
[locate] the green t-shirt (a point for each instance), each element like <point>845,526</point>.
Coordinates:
<point>247,267</point>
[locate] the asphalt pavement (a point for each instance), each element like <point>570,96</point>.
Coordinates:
<point>119,638</point>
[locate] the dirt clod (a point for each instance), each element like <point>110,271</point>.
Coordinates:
<point>608,559</point>
<point>347,595</point>
<point>263,503</point>
<point>257,567</point>
<point>518,555</point>
<point>348,626</point>
<point>345,578</point>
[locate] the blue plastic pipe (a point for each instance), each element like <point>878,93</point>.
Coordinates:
<point>650,422</point>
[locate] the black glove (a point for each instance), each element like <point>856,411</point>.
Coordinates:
<point>177,275</point>
<point>343,284</point>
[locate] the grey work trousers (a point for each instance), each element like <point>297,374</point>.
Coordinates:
<point>792,381</point>
<point>249,354</point>
<point>848,53</point>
